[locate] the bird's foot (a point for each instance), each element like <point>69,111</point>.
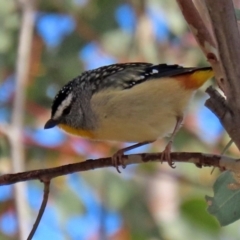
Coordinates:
<point>166,155</point>
<point>118,159</point>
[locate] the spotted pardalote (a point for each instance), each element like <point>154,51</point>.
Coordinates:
<point>127,102</point>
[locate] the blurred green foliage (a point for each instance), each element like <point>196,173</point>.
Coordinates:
<point>224,205</point>
<point>152,200</point>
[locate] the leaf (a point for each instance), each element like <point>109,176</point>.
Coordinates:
<point>195,210</point>
<point>225,205</point>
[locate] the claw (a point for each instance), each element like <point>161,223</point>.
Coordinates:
<point>166,152</point>
<point>117,159</point>
<point>166,155</point>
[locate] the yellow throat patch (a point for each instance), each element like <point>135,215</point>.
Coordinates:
<point>77,132</point>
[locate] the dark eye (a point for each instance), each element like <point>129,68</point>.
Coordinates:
<point>66,111</point>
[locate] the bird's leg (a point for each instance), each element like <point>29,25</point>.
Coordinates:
<point>118,156</point>
<point>166,152</point>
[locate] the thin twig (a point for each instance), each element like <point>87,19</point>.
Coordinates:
<point>218,105</point>
<point>42,208</point>
<point>199,159</point>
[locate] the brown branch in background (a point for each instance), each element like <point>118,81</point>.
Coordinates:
<point>85,31</point>
<point>199,159</point>
<point>16,128</point>
<point>42,208</point>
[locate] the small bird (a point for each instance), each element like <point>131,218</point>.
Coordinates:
<point>128,102</point>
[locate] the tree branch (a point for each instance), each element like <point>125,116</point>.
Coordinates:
<point>225,28</point>
<point>223,52</point>
<point>218,105</point>
<point>196,24</point>
<point>224,23</point>
<point>202,34</point>
<point>199,159</point>
<point>42,208</point>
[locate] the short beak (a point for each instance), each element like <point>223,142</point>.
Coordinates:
<point>50,123</point>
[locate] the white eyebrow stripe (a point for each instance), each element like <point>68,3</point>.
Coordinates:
<point>65,103</point>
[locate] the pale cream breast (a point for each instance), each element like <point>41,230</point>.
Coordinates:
<point>143,113</point>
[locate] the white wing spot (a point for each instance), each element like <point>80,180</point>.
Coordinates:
<point>140,78</point>
<point>154,71</point>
